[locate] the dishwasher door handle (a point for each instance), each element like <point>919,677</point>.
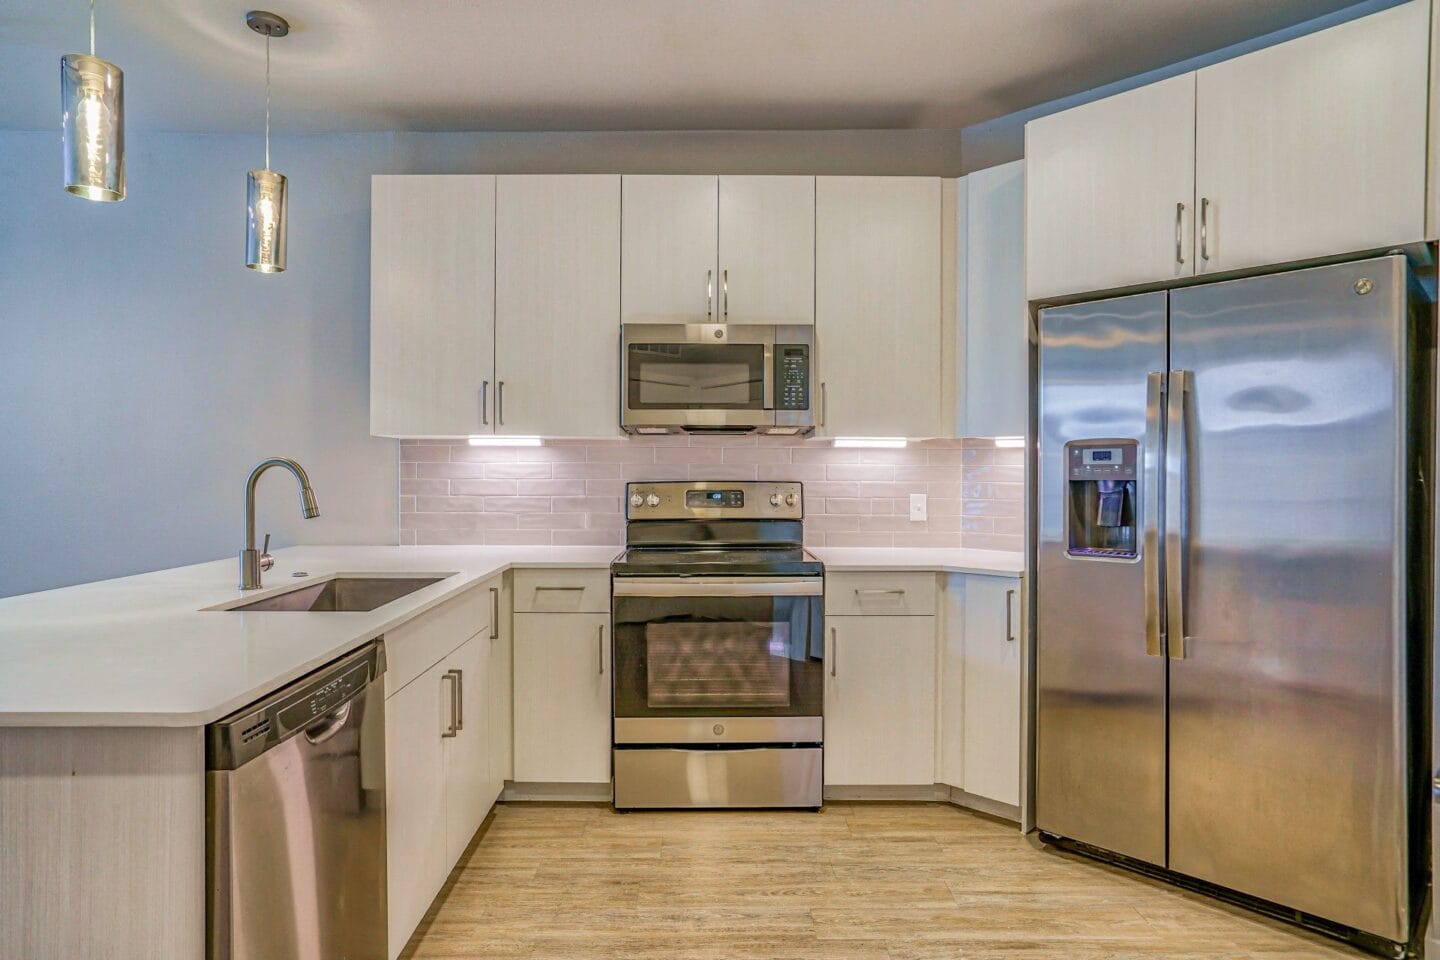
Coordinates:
<point>330,724</point>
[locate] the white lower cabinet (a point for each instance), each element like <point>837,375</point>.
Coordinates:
<point>439,775</point>
<point>415,803</point>
<point>880,701</point>
<point>562,697</point>
<point>992,642</point>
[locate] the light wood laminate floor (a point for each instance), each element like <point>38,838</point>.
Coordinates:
<point>892,882</point>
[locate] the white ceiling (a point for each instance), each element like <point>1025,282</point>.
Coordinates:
<point>192,65</point>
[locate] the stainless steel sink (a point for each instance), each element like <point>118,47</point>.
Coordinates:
<point>342,594</point>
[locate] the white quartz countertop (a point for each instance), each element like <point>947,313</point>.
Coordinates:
<point>144,651</point>
<point>940,560</point>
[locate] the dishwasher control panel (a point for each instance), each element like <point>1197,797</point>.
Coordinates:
<point>314,704</point>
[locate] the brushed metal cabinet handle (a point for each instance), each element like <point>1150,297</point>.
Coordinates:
<point>494,613</point>
<point>709,294</point>
<point>600,648</point>
<point>892,591</point>
<point>500,404</point>
<point>834,651</point>
<point>1009,621</point>
<point>725,295</point>
<point>454,726</point>
<point>1204,228</point>
<point>485,402</point>
<point>459,698</point>
<point>1179,220</point>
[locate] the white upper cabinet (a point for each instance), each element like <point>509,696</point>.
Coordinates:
<point>767,250</point>
<point>1311,148</point>
<point>669,250</point>
<point>557,305</point>
<point>878,325</point>
<point>432,302</point>
<point>1110,189</point>
<point>994,384</point>
<point>1315,147</point>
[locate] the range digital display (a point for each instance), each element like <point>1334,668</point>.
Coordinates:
<point>714,498</point>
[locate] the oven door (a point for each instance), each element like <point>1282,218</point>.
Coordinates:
<point>718,660</point>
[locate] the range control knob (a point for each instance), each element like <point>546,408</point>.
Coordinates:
<point>790,499</point>
<point>636,499</point>
<point>775,499</point>
<point>652,501</point>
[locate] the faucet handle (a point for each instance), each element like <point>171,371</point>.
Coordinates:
<point>266,561</point>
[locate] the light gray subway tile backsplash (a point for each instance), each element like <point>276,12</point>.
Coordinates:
<point>571,492</point>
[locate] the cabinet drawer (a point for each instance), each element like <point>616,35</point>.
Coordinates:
<point>880,594</point>
<point>413,647</point>
<point>562,591</point>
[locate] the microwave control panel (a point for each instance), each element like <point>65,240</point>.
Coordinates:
<point>792,376</point>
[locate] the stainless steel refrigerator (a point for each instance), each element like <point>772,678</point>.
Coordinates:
<point>1233,585</point>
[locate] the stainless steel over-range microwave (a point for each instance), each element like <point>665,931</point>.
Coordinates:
<point>717,378</point>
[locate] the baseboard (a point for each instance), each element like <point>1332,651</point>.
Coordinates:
<point>911,793</point>
<point>924,793</point>
<point>1005,811</point>
<point>556,792</point>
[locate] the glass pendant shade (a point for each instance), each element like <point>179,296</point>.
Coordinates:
<point>93,125</point>
<point>265,224</point>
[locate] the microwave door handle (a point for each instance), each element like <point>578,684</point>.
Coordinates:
<point>767,377</point>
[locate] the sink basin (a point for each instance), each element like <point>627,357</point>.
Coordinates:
<point>342,594</point>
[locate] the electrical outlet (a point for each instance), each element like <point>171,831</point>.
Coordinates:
<point>917,506</point>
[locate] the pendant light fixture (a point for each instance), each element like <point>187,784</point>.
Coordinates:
<point>92,122</point>
<point>267,193</point>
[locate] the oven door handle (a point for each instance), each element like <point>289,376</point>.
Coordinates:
<point>718,587</point>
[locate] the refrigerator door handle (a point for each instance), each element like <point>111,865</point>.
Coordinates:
<point>1150,500</point>
<point>1177,509</point>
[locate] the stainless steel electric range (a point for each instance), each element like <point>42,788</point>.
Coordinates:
<point>719,647</point>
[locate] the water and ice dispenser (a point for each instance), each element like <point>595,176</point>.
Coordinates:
<point>1100,475</point>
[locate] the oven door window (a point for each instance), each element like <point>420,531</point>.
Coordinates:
<point>696,376</point>
<point>710,656</point>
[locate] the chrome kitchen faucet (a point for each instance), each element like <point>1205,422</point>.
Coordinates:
<point>253,562</point>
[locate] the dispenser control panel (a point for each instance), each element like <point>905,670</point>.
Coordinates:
<point>1108,462</point>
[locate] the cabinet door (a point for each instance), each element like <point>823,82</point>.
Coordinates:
<point>468,785</point>
<point>995,344</point>
<point>991,607</point>
<point>880,701</point>
<point>1102,183</point>
<point>415,802</point>
<point>668,249</point>
<point>557,298</point>
<point>562,697</point>
<point>1316,146</point>
<point>879,342</point>
<point>502,692</point>
<point>432,304</point>
<point>767,250</point>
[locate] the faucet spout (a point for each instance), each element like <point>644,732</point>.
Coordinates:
<point>251,562</point>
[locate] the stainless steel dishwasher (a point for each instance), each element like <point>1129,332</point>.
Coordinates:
<point>295,819</point>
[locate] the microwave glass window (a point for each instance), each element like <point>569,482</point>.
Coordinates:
<point>696,376</point>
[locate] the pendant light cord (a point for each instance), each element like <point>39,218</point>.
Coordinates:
<point>92,28</point>
<point>267,99</point>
